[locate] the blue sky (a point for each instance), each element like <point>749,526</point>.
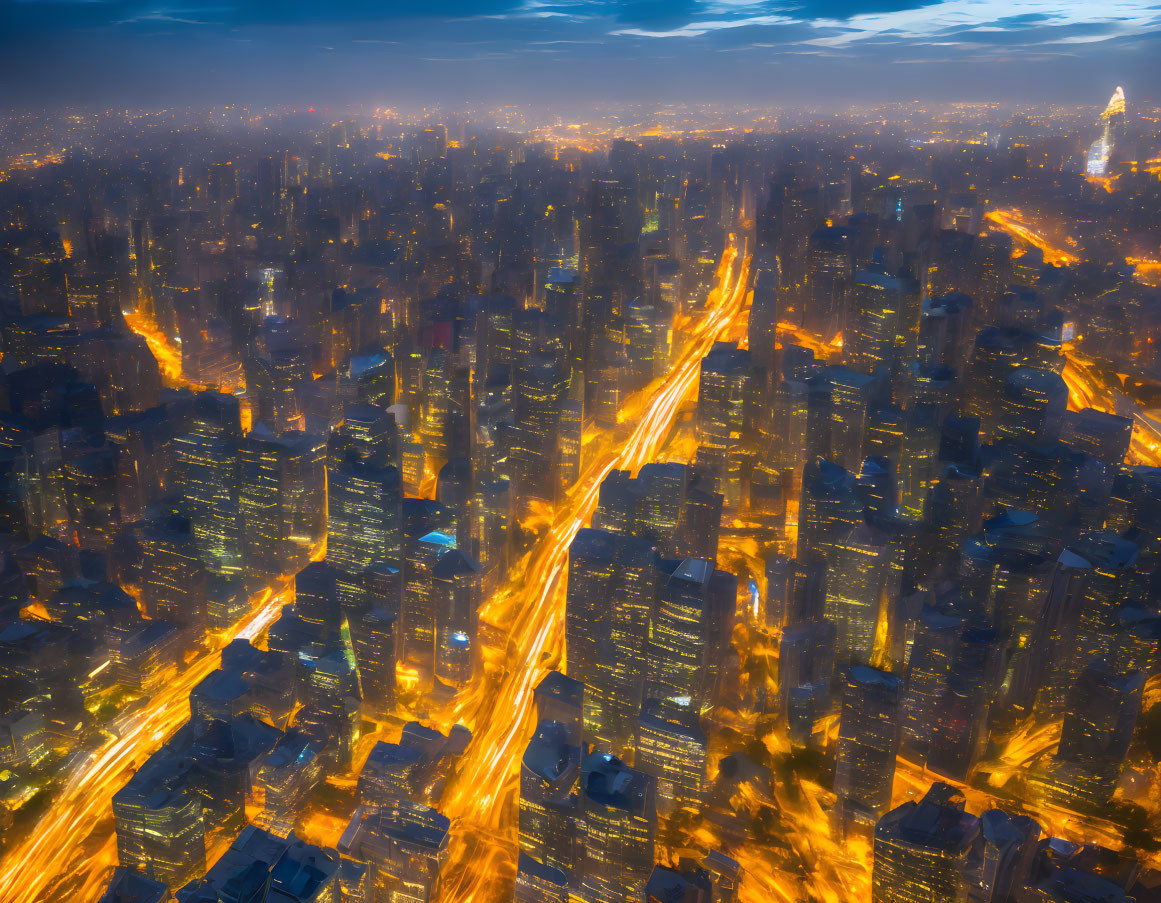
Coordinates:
<point>559,51</point>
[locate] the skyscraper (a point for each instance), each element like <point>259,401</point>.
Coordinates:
<point>868,741</point>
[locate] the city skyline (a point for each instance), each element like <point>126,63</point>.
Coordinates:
<point>447,455</point>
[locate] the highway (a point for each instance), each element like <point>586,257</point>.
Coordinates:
<point>67,854</point>
<point>168,357</point>
<point>481,800</point>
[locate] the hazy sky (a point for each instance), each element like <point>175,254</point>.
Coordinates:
<point>394,53</point>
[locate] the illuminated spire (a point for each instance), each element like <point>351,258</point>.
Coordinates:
<point>1116,104</point>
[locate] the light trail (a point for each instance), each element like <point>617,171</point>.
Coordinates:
<point>481,799</point>
<point>168,357</point>
<point>1085,390</point>
<point>823,350</point>
<point>1012,222</point>
<point>46,866</point>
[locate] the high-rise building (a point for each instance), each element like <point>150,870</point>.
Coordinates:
<point>159,821</point>
<point>620,829</point>
<point>855,582</point>
<point>282,499</point>
<point>457,583</point>
<point>923,850</point>
<point>550,813</point>
<point>929,667</point>
<point>724,395</point>
<point>868,741</point>
<point>374,638</point>
<point>404,845</point>
<point>418,615</point>
<point>672,748</point>
<point>688,636</point>
<point>364,517</point>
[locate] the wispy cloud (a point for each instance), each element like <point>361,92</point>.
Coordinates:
<point>1042,21</point>
<point>697,29</point>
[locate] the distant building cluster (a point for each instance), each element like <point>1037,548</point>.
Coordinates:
<point>400,511</point>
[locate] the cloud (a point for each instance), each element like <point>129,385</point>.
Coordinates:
<point>848,23</point>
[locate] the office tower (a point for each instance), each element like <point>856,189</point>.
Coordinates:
<point>689,634</point>
<point>140,440</point>
<point>886,426</point>
<point>538,390</point>
<point>995,354</point>
<point>537,883</point>
<point>550,813</point>
<point>796,590</point>
<point>647,338</point>
<point>205,473</point>
<point>1106,567</point>
<point>918,459</point>
<point>830,509</point>
<point>1032,406</point>
<point>1102,709</point>
<point>923,850</point>
<point>805,659</point>
<point>962,717</point>
<point>724,393</point>
<point>828,278</point>
<point>494,509</point>
<point>883,323</point>
<point>364,518</point>
<point>273,378</point>
<point>290,774</point>
<point>1009,846</point>
<point>316,595</point>
<point>437,403</point>
<point>616,683</point>
<point>383,588</point>
<point>620,828</point>
<point>877,486</point>
<point>851,395</point>
<point>456,595</point>
<point>1104,436</point>
<point>701,524</point>
<point>933,651</point>
<point>571,441</point>
<point>367,433</point>
<point>868,741</point>
<point>455,490</point>
<point>225,758</point>
<point>776,606</point>
<point>672,748</point>
<point>281,498</point>
<point>945,331</point>
<point>91,495</point>
<point>404,845</point>
<point>159,821</point>
<point>393,771</point>
<point>418,615</point>
<point>619,503</point>
<point>174,581</point>
<point>662,502</point>
<point>412,769</point>
<point>591,566</point>
<point>856,578</point>
<point>765,313</point>
<point>373,638</point>
<point>287,868</point>
<point>561,699</point>
<point>788,438</point>
<point>373,376</point>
